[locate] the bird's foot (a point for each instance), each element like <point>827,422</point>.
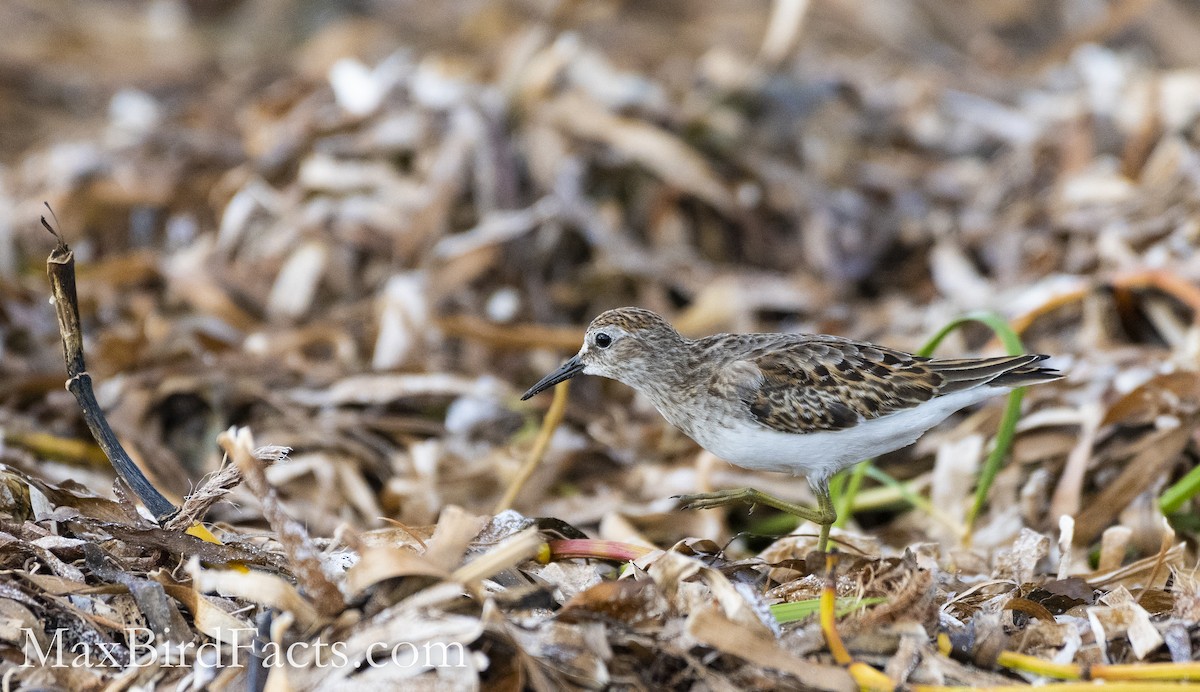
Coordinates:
<point>750,496</point>
<point>720,498</point>
<point>824,516</point>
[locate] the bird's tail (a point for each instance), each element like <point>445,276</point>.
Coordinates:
<point>1002,371</point>
<point>1030,373</point>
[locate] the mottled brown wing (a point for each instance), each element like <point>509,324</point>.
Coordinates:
<point>833,384</point>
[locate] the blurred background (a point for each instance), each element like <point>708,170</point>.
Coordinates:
<point>363,228</point>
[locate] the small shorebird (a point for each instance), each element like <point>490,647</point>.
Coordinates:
<point>795,403</point>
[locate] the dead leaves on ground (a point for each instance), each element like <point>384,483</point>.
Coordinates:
<point>366,259</point>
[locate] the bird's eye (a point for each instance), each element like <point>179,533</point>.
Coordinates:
<point>603,340</point>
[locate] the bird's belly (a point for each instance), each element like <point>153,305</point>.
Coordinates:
<point>819,455</point>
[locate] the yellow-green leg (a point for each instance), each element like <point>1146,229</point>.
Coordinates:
<point>824,514</point>
<point>827,511</point>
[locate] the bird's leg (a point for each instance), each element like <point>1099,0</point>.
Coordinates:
<point>826,509</point>
<point>824,514</point>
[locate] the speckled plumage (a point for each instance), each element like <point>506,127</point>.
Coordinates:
<point>798,403</point>
<point>802,384</point>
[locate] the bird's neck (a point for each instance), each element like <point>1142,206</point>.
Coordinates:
<point>671,372</point>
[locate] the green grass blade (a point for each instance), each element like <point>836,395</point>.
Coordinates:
<point>851,481</point>
<point>837,488</point>
<point>912,498</point>
<point>791,612</point>
<point>915,500</point>
<point>778,524</point>
<point>1004,439</point>
<point>1183,490</point>
<point>998,325</point>
<point>1012,411</point>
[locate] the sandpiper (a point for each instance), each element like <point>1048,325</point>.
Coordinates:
<point>796,403</point>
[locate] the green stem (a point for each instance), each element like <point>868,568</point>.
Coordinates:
<point>1004,439</point>
<point>845,500</point>
<point>914,499</point>
<point>881,497</point>
<point>838,492</point>
<point>1012,342</point>
<point>798,610</point>
<point>1183,490</point>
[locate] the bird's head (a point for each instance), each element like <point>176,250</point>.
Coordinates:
<point>620,344</point>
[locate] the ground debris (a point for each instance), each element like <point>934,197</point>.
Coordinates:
<point>356,235</point>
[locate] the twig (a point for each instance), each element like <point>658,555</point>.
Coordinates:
<point>302,554</point>
<point>1161,672</point>
<point>589,548</point>
<point>522,336</point>
<point>553,417</point>
<point>1160,560</point>
<point>60,267</point>
<point>1168,282</point>
<point>1061,687</point>
<point>212,489</point>
<point>867,677</point>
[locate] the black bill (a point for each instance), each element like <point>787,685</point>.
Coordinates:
<point>569,369</point>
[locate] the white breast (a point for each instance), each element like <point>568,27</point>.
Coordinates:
<point>821,454</point>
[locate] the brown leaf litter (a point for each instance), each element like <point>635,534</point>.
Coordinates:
<point>355,235</point>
